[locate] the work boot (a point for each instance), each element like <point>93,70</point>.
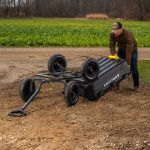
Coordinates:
<point>136,89</point>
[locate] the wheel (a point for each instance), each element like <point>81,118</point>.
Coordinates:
<point>27,88</point>
<point>57,63</point>
<point>90,70</point>
<point>72,93</point>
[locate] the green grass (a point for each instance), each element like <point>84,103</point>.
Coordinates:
<point>144,70</point>
<point>66,32</point>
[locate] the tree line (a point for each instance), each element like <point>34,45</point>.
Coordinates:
<point>129,9</point>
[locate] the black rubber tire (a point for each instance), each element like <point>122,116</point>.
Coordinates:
<point>57,63</point>
<point>27,88</point>
<point>90,70</point>
<point>71,93</point>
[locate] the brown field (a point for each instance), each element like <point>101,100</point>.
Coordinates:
<point>120,120</point>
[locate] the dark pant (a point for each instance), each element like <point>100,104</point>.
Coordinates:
<point>134,68</point>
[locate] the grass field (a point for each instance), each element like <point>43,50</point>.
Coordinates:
<point>144,70</point>
<point>66,32</point>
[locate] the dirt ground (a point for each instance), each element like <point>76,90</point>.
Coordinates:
<point>120,120</point>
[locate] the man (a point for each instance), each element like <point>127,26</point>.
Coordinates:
<point>127,49</point>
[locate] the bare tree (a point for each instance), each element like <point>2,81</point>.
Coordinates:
<point>132,9</point>
<point>139,3</point>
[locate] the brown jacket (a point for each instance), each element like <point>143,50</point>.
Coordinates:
<point>125,41</point>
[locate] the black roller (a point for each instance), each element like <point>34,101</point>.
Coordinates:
<point>72,93</point>
<point>90,70</point>
<point>57,63</point>
<point>27,88</point>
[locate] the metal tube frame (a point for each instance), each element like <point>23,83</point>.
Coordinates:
<point>63,77</point>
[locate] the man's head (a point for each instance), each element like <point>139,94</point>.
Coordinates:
<point>117,28</point>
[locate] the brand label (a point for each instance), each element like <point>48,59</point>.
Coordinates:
<point>110,81</point>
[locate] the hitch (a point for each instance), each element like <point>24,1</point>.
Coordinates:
<point>21,112</point>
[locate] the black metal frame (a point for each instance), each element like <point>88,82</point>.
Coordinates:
<point>42,78</point>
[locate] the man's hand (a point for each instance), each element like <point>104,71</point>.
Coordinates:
<point>113,57</point>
